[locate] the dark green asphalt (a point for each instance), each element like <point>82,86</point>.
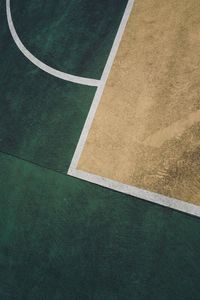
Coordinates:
<point>41,117</point>
<point>62,238</point>
<point>74,36</point>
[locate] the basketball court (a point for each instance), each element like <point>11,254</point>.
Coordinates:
<point>99,149</point>
<point>142,133</point>
<point>141,136</point>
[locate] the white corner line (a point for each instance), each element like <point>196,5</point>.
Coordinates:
<point>169,202</point>
<point>101,86</point>
<point>40,64</point>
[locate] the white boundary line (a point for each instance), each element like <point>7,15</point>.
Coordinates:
<point>105,182</point>
<point>137,192</point>
<point>40,64</point>
<point>101,87</point>
<point>112,184</point>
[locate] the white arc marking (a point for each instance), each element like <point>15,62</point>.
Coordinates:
<point>40,64</point>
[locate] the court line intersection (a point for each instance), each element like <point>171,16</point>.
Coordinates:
<point>100,84</point>
<point>112,184</point>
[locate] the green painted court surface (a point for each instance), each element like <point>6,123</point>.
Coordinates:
<point>62,238</point>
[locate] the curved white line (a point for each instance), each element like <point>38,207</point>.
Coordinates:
<point>38,63</point>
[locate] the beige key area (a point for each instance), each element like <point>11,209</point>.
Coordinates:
<point>146,131</point>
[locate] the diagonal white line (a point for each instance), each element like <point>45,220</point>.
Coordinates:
<point>109,183</point>
<point>176,204</point>
<point>101,86</point>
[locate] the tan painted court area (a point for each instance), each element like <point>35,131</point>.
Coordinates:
<point>146,131</point>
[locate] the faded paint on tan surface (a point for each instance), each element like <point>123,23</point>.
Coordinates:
<point>146,131</point>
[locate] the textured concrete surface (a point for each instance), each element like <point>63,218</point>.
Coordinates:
<point>146,131</point>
